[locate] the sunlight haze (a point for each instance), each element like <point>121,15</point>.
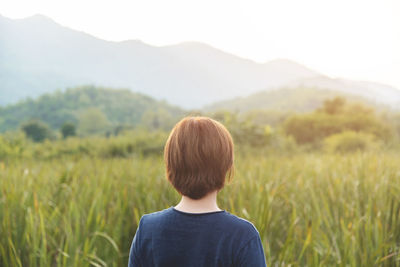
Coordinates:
<point>351,39</point>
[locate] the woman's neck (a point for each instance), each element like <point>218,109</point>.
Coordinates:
<point>206,204</point>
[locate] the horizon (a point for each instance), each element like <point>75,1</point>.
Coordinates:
<point>336,50</point>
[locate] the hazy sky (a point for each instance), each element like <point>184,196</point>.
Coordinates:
<point>356,39</point>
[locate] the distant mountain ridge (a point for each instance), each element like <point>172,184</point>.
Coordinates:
<point>376,92</point>
<point>37,55</point>
<point>290,99</point>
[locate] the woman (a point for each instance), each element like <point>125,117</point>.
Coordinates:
<point>196,232</point>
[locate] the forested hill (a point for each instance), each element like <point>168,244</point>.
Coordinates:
<point>87,105</point>
<point>300,99</point>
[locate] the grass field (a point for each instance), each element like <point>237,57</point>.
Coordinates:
<point>310,209</point>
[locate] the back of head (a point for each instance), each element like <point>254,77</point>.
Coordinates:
<point>198,154</point>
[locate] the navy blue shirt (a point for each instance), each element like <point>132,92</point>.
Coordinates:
<point>175,238</point>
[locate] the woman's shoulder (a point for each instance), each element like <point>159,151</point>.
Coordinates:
<point>154,216</point>
<point>242,225</point>
<point>223,220</point>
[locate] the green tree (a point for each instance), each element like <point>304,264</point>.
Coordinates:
<point>68,129</point>
<point>157,119</point>
<point>93,121</point>
<point>37,130</point>
<point>333,106</point>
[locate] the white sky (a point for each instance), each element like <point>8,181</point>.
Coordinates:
<point>356,39</point>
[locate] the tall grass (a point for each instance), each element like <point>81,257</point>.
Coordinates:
<point>310,209</point>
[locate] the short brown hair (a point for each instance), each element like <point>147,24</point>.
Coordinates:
<point>198,154</point>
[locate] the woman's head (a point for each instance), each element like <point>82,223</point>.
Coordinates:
<point>198,154</point>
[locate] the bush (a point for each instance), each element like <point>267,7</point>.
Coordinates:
<point>38,131</point>
<point>13,144</point>
<point>350,141</point>
<point>139,141</point>
<point>68,129</point>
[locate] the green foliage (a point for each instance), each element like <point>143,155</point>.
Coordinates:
<point>394,119</point>
<point>333,106</point>
<point>93,121</point>
<point>309,128</point>
<point>68,129</point>
<point>157,119</point>
<point>140,141</point>
<point>120,107</point>
<point>336,116</point>
<point>274,118</point>
<point>350,141</point>
<point>13,145</point>
<point>243,130</point>
<point>37,131</point>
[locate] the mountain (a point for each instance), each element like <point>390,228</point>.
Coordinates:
<point>289,99</point>
<point>118,107</point>
<point>37,56</point>
<point>376,92</point>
